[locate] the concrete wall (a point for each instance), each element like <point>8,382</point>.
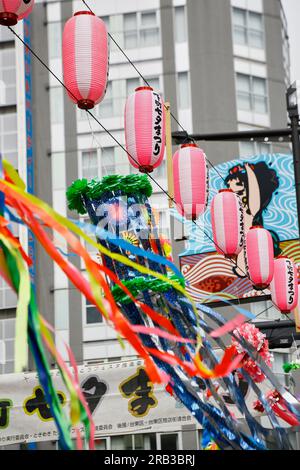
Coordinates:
<point>275,68</point>
<point>212,73</point>
<point>75,301</point>
<point>42,146</point>
<point>170,95</point>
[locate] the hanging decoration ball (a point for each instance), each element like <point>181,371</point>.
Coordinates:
<point>85,59</point>
<point>260,257</point>
<point>284,287</point>
<point>227,220</point>
<point>258,340</point>
<point>191,181</point>
<point>12,11</point>
<point>145,129</point>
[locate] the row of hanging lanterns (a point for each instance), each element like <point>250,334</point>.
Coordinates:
<point>264,272</point>
<point>86,66</point>
<point>12,11</point>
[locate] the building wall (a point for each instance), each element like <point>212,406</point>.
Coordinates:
<point>212,73</point>
<point>195,63</point>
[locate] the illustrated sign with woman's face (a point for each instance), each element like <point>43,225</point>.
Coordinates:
<point>265,185</point>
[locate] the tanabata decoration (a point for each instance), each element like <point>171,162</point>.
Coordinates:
<point>85,59</point>
<point>284,286</point>
<point>191,184</point>
<point>227,223</point>
<point>260,257</point>
<point>150,293</point>
<point>288,366</point>
<point>258,340</point>
<point>161,322</point>
<point>12,11</point>
<point>145,126</point>
<point>278,406</point>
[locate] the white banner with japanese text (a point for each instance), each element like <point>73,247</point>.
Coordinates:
<point>120,396</point>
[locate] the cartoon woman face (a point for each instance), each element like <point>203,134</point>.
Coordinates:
<point>237,186</point>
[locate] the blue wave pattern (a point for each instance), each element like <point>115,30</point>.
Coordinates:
<point>280,216</point>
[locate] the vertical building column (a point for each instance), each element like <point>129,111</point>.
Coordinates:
<point>277,75</point>
<point>212,73</point>
<point>170,95</point>
<point>71,156</point>
<point>42,165</point>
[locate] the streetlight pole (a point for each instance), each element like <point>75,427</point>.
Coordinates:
<point>293,112</point>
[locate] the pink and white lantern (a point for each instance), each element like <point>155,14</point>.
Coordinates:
<point>260,257</point>
<point>85,59</point>
<point>227,221</point>
<point>145,129</point>
<point>191,181</point>
<point>284,287</point>
<point>12,11</point>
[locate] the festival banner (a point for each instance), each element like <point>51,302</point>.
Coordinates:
<point>265,184</point>
<point>120,396</point>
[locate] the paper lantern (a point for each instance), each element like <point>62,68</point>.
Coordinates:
<point>11,11</point>
<point>190,174</point>
<point>260,257</point>
<point>284,287</point>
<point>145,129</point>
<point>85,59</point>
<point>227,221</point>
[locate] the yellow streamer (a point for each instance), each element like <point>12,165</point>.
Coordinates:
<point>21,349</point>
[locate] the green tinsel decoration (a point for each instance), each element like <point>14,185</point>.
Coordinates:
<point>75,195</point>
<point>129,185</point>
<point>139,284</point>
<point>288,366</point>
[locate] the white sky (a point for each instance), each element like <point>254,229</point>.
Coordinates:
<point>292,11</point>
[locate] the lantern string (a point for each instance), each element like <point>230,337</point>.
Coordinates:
<point>188,137</point>
<point>119,143</point>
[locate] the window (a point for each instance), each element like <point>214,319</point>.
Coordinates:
<point>57,105</point>
<point>161,171</point>
<point>7,77</point>
<point>248,149</point>
<point>248,29</point>
<point>131,85</point>
<point>154,83</point>
<point>7,339</point>
<point>169,441</point>
<point>163,223</point>
<point>108,161</point>
<point>252,94</point>
<point>9,137</point>
<point>134,442</point>
<point>106,110</point>
<point>149,33</point>
<point>90,169</point>
<point>101,444</point>
<point>92,314</point>
<point>180,24</point>
<point>130,31</point>
<point>54,38</point>
<point>141,29</point>
<point>183,91</point>
<point>6,35</point>
<point>279,360</point>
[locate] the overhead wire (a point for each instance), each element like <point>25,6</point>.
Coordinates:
<point>117,141</point>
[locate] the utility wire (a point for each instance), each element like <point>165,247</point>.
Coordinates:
<point>188,137</point>
<point>116,140</point>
